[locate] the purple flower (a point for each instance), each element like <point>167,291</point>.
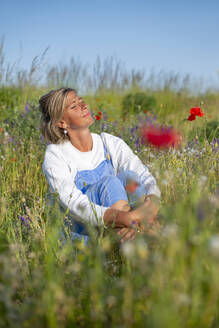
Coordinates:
<point>11,139</point>
<point>133,131</point>
<point>147,119</point>
<point>42,139</point>
<point>215,144</point>
<point>105,116</point>
<point>24,221</point>
<point>137,143</point>
<point>27,108</point>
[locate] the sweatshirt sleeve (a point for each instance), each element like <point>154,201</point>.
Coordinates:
<point>125,159</point>
<point>61,180</point>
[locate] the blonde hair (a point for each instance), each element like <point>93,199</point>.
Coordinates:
<point>52,107</point>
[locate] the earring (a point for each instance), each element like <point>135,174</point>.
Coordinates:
<point>65,131</point>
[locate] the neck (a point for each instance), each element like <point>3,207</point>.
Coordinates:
<point>81,139</point>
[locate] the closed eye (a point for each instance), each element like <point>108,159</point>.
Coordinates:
<point>79,101</point>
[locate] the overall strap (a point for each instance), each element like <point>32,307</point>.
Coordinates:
<point>107,155</point>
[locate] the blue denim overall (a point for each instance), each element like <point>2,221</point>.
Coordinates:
<point>102,187</point>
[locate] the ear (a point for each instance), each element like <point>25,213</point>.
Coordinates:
<point>61,124</point>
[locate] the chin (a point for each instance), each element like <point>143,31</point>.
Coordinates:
<point>91,121</point>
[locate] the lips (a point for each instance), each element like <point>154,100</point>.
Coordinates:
<point>88,114</point>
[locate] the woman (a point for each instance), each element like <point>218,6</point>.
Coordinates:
<point>87,169</point>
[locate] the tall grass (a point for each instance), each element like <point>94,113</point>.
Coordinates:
<point>166,281</point>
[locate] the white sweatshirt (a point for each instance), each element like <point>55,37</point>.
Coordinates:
<point>62,161</point>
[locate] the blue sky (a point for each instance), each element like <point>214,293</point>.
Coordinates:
<point>180,36</point>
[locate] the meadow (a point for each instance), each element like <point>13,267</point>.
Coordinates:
<point>167,280</point>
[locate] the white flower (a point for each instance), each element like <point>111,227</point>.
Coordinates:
<point>170,231</point>
<point>128,249</point>
<point>203,179</point>
<point>183,299</point>
<point>141,248</point>
<point>164,182</point>
<point>214,200</point>
<point>157,174</point>
<point>214,245</point>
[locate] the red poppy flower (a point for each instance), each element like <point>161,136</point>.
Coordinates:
<point>131,186</point>
<point>160,137</point>
<point>99,116</point>
<point>196,111</point>
<point>191,117</point>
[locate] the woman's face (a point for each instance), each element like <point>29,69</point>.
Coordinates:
<point>76,114</point>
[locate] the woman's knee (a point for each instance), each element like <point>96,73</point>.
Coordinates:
<point>112,193</point>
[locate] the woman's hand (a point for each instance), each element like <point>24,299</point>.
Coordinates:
<point>117,219</point>
<point>127,234</point>
<point>144,214</point>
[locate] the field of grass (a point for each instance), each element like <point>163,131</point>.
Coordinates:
<point>170,280</point>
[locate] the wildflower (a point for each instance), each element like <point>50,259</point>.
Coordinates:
<point>142,249</point>
<point>203,179</point>
<point>13,159</point>
<point>1,130</point>
<point>214,245</point>
<point>165,182</point>
<point>170,231</point>
<point>128,249</point>
<point>99,116</point>
<point>191,117</point>
<point>160,137</point>
<point>183,299</point>
<point>111,301</point>
<point>196,111</point>
<point>24,221</point>
<point>215,144</point>
<point>137,143</point>
<point>105,116</point>
<point>131,186</point>
<point>27,108</point>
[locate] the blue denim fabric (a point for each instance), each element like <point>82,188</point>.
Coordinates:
<point>103,187</point>
<point>133,198</point>
<point>73,236</point>
<point>107,191</point>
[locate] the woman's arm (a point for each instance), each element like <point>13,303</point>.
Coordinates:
<point>124,159</point>
<point>61,180</point>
